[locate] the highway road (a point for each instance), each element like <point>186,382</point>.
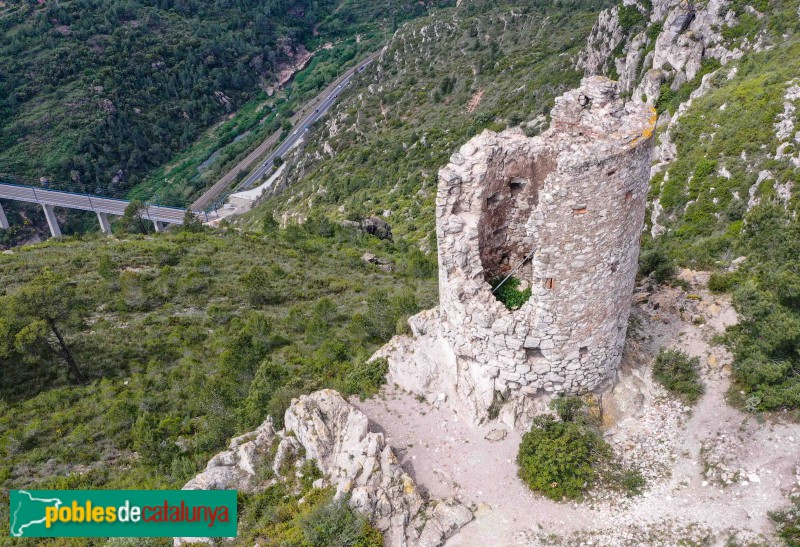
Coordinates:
<point>316,109</point>
<point>299,130</point>
<point>86,202</point>
<point>313,110</point>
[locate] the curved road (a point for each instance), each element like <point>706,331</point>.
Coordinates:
<point>305,124</point>
<point>321,104</point>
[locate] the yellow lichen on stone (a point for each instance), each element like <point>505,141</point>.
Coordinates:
<point>651,124</point>
<point>346,486</point>
<point>408,486</point>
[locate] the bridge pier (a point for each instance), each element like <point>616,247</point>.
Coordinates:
<point>160,226</point>
<point>105,225</point>
<point>3,219</point>
<point>52,221</point>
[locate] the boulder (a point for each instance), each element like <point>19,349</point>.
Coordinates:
<point>448,517</point>
<point>377,227</point>
<point>357,462</point>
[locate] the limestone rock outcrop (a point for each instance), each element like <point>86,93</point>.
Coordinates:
<point>235,468</point>
<point>689,33</point>
<point>563,212</point>
<point>325,428</point>
<point>606,35</point>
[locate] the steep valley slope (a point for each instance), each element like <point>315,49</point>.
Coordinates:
<point>193,337</point>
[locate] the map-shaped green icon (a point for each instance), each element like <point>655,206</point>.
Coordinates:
<point>28,511</point>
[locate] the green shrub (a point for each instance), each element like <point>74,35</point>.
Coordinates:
<point>366,378</point>
<point>653,31</point>
<point>567,407</point>
<point>629,481</point>
<point>383,313</point>
<point>508,293</point>
<point>630,16</point>
<point>788,524</point>
<point>721,282</point>
<point>558,459</point>
<point>678,372</point>
<point>670,99</point>
<point>418,264</point>
<point>258,286</point>
<point>766,342</point>
<point>564,458</point>
<point>335,524</point>
<point>268,379</point>
<point>657,262</point>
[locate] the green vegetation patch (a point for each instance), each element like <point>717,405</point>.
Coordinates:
<point>276,517</point>
<point>669,99</point>
<point>657,263</point>
<point>563,458</point>
<point>509,294</point>
<point>724,140</point>
<point>183,340</point>
<point>630,17</point>
<point>679,373</point>
<point>766,293</point>
<point>787,522</point>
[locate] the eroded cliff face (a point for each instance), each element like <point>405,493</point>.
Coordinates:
<point>678,37</point>
<point>563,212</point>
<point>690,48</point>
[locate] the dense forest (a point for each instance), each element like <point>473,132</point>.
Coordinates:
<point>95,94</point>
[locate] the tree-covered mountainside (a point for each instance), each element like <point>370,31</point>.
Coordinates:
<point>181,341</point>
<point>94,94</point>
<point>98,92</point>
<point>440,80</point>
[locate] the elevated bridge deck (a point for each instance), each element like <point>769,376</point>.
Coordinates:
<point>49,199</point>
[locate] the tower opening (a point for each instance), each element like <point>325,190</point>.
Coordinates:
<point>512,187</point>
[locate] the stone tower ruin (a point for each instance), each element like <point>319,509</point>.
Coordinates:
<point>563,212</point>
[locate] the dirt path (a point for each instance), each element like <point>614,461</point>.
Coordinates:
<point>713,472</point>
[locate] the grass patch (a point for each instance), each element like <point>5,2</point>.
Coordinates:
<point>678,373</point>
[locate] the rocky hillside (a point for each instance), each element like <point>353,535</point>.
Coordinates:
<point>724,187</point>
<point>439,81</point>
<point>722,76</point>
<point>327,447</point>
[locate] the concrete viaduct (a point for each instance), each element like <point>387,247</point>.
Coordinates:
<point>49,199</point>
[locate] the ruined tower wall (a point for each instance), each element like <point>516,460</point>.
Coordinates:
<point>571,201</point>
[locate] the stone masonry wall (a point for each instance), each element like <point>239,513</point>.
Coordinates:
<point>564,211</point>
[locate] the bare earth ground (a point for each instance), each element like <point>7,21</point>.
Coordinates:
<point>713,472</point>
